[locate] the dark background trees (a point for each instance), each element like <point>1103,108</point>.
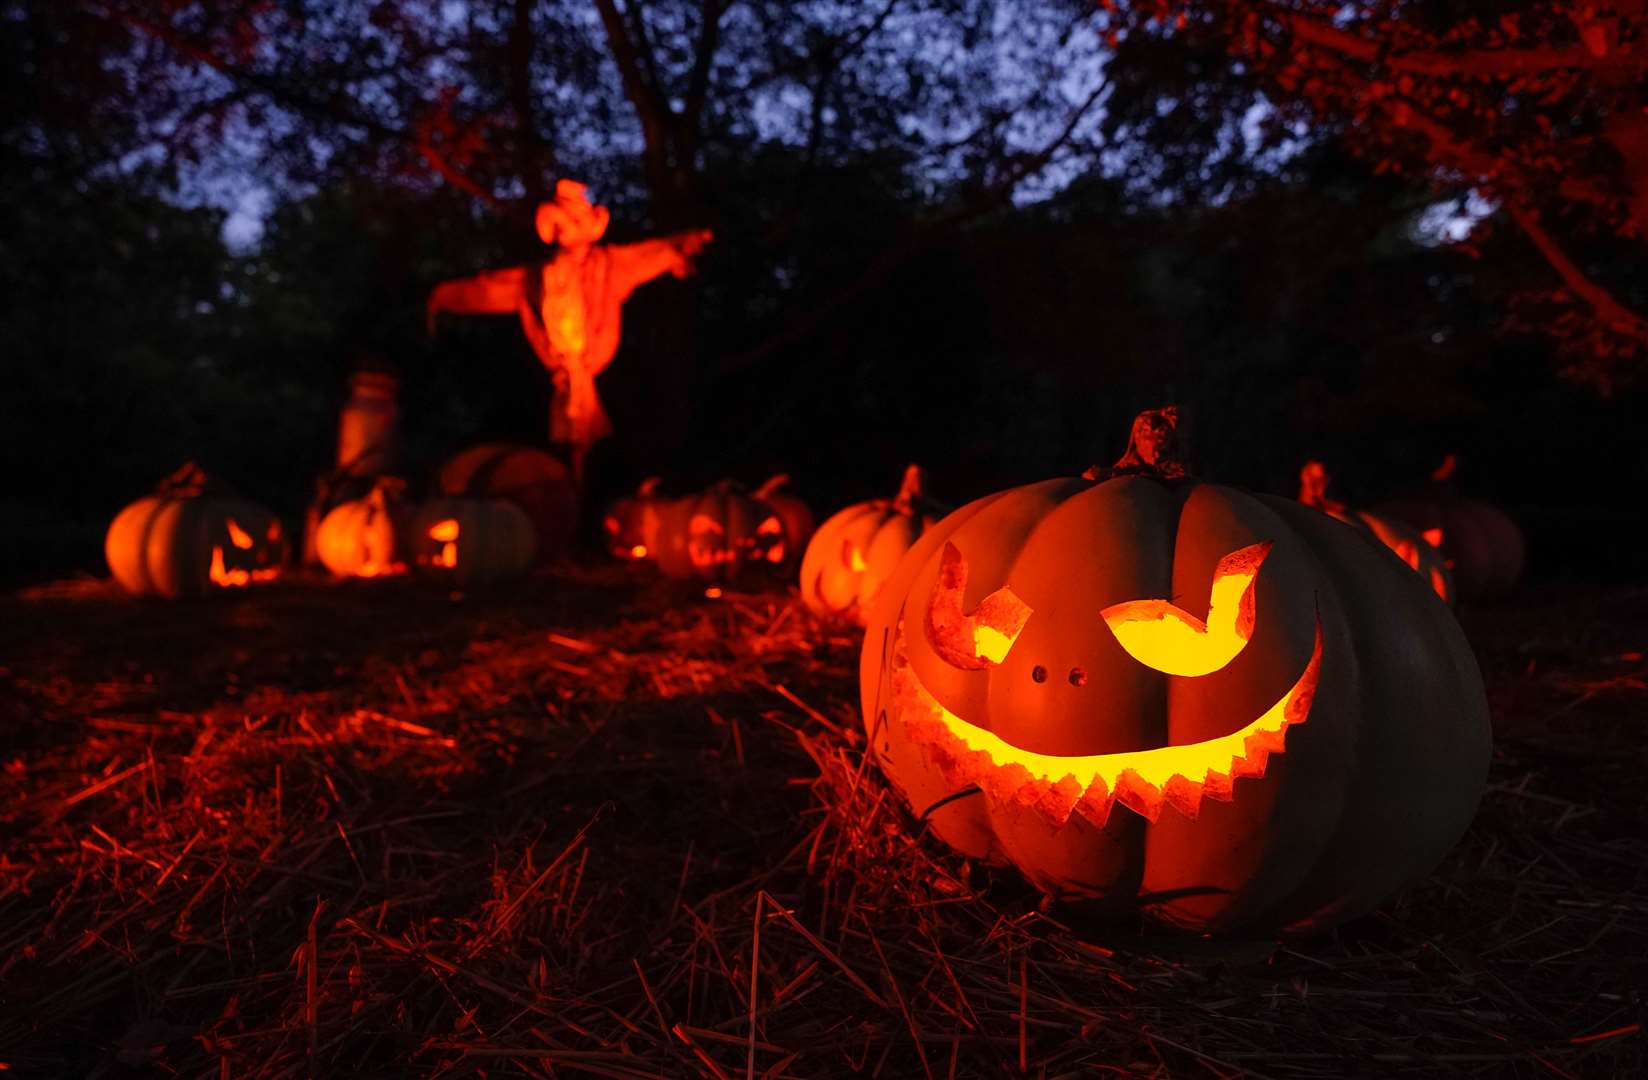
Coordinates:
<point>973,234</point>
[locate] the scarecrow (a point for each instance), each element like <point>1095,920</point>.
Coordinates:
<point>571,306</point>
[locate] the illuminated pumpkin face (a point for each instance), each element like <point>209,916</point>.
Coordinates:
<point>1151,686</point>
<point>1419,549</point>
<point>363,537</point>
<point>471,541</point>
<point>190,539</point>
<point>1158,635</point>
<point>631,524</point>
<point>532,480</point>
<point>856,550</point>
<point>723,532</point>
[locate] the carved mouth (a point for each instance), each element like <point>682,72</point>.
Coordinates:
<point>1142,780</point>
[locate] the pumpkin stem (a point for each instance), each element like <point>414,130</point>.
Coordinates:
<point>387,488</point>
<point>1313,488</point>
<point>912,490</point>
<point>1155,447</point>
<point>189,480</point>
<point>773,483</point>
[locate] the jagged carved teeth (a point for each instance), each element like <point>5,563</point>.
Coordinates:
<point>1142,780</point>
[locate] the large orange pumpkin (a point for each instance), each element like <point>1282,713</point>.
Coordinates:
<point>1221,707</point>
<point>1481,543</point>
<point>531,479</point>
<point>363,537</point>
<point>631,523</point>
<point>856,550</point>
<point>472,541</point>
<point>1421,551</point>
<point>191,537</point>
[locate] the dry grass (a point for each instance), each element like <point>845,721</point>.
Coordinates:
<point>597,827</point>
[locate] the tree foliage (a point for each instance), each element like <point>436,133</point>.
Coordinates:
<point>1539,105</point>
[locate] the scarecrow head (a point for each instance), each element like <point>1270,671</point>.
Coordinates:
<point>571,220</point>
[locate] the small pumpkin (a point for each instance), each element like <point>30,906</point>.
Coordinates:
<point>717,535</point>
<point>363,537</point>
<point>472,541</point>
<point>1482,544</point>
<point>1421,551</point>
<point>531,479</point>
<point>1149,691</point>
<point>192,537</point>
<point>631,523</point>
<point>857,549</point>
<point>794,516</point>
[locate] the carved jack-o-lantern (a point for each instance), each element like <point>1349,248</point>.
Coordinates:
<point>363,537</point>
<point>1482,545</point>
<point>854,552</point>
<point>531,479</point>
<point>190,538</point>
<point>471,541</point>
<point>1421,550</point>
<point>720,534</point>
<point>795,516</point>
<point>631,523</point>
<point>1219,706</point>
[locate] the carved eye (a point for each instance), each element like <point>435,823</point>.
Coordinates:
<point>1433,537</point>
<point>1164,637</point>
<point>977,639</point>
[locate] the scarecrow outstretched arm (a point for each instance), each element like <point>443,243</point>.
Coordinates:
<point>636,264</point>
<point>495,292</point>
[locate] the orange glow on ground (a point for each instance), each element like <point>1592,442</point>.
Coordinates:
<point>1142,780</point>
<point>639,551</point>
<point>1163,636</point>
<point>238,536</point>
<point>713,593</point>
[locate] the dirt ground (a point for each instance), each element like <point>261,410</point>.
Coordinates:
<point>598,824</point>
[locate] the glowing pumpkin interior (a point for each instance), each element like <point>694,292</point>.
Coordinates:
<point>221,574</point>
<point>445,533</point>
<point>1156,633</point>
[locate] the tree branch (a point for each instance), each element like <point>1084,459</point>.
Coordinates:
<point>1616,315</point>
<point>698,83</point>
<point>303,104</point>
<point>911,243</point>
<point>1468,63</point>
<point>532,154</point>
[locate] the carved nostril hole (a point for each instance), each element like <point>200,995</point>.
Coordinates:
<point>1078,677</point>
<point>1038,673</point>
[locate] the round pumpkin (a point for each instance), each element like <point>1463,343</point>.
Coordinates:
<point>631,523</point>
<point>531,479</point>
<point>1218,707</point>
<point>1482,545</point>
<point>716,535</point>
<point>794,516</point>
<point>191,537</point>
<point>363,537</point>
<point>472,541</point>
<point>1420,551</point>
<point>857,549</point>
